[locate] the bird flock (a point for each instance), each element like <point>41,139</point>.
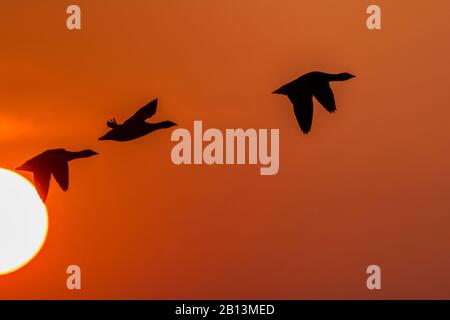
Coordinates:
<point>55,162</point>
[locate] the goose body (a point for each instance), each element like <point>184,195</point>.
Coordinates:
<point>136,126</point>
<point>302,90</point>
<point>52,162</point>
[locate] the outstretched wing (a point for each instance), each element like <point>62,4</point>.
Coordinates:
<point>303,109</point>
<point>112,123</point>
<point>144,113</point>
<point>325,97</point>
<point>42,183</point>
<point>61,173</point>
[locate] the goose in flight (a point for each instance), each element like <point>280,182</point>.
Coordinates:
<point>136,126</point>
<point>52,162</point>
<point>302,90</point>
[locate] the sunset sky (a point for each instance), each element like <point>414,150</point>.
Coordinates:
<point>369,185</point>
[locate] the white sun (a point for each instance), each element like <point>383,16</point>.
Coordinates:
<point>23,222</point>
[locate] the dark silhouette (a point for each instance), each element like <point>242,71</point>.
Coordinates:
<point>54,162</point>
<point>136,126</point>
<point>302,90</point>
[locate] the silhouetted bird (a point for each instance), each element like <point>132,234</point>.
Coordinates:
<point>136,126</point>
<point>302,90</point>
<point>52,162</point>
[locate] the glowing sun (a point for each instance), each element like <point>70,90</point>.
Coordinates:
<point>23,222</point>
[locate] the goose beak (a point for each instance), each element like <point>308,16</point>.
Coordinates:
<point>102,138</point>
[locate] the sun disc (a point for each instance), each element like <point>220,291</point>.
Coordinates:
<point>23,222</point>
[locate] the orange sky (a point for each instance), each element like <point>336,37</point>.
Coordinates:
<point>369,185</point>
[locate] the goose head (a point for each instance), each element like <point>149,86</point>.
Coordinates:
<point>88,153</point>
<point>167,124</point>
<point>346,76</point>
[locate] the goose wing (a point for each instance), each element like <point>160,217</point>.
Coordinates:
<point>144,113</point>
<point>42,182</point>
<point>112,123</point>
<point>303,109</point>
<point>60,172</point>
<point>325,96</point>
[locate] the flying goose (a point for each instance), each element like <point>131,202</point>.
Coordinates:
<point>136,126</point>
<point>52,162</point>
<point>301,91</point>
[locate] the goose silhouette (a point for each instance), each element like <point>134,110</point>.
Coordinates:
<point>52,162</point>
<point>136,126</point>
<point>301,91</point>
